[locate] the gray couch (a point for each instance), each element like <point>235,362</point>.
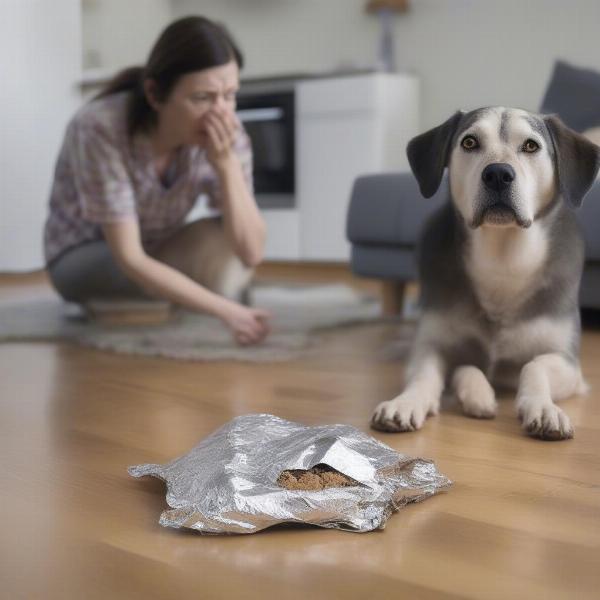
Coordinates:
<point>387,211</point>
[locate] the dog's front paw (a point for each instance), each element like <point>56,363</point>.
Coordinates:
<point>474,393</point>
<point>545,421</point>
<point>406,412</point>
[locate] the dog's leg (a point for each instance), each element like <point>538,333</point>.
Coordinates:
<point>474,392</point>
<point>547,378</point>
<point>420,398</point>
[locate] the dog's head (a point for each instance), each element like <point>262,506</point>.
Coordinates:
<point>505,165</point>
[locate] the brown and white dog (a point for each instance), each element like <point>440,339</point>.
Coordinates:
<point>500,266</point>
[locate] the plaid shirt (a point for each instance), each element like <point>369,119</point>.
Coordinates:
<point>102,176</point>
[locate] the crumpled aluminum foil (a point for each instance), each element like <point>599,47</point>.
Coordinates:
<point>228,482</point>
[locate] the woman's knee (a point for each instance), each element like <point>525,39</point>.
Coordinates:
<point>204,253</point>
<point>232,279</point>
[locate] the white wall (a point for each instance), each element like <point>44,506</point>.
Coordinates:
<point>279,36</point>
<point>120,33</point>
<point>473,53</point>
<point>468,53</point>
<point>40,66</point>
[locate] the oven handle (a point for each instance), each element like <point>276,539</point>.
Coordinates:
<point>248,115</point>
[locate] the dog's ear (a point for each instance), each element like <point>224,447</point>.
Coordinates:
<point>577,160</point>
<point>428,154</point>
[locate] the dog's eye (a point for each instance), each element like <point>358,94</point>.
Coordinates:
<point>469,142</point>
<point>530,146</point>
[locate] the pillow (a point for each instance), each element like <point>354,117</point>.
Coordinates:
<point>574,94</point>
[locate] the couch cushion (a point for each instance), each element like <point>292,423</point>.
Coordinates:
<point>384,262</point>
<point>589,294</point>
<point>389,209</point>
<point>574,93</point>
<point>589,218</point>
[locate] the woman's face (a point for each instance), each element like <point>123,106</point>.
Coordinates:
<point>181,115</point>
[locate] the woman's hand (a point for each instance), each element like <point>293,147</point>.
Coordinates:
<point>221,128</point>
<point>248,325</point>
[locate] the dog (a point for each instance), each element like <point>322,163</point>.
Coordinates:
<point>500,265</point>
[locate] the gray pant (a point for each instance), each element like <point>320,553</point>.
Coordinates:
<point>200,250</point>
<point>89,271</point>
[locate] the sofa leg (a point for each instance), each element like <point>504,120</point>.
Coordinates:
<point>392,296</point>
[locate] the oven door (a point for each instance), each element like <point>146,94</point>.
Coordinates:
<point>269,120</point>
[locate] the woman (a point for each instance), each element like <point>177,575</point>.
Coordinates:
<point>132,165</point>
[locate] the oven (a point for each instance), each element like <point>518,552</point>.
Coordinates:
<point>268,116</point>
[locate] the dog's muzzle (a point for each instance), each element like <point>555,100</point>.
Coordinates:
<point>496,206</point>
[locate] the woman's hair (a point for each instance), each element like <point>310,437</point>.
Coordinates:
<point>186,45</point>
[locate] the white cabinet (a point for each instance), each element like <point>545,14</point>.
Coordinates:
<point>346,127</point>
<point>283,234</point>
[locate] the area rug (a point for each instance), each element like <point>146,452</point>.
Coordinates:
<point>300,314</point>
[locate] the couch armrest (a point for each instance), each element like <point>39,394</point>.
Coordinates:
<point>388,209</point>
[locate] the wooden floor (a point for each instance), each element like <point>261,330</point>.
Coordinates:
<point>522,520</point>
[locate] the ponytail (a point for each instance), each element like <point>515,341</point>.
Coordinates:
<point>139,112</point>
<point>129,79</point>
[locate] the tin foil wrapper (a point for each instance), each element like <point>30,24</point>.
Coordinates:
<point>228,483</point>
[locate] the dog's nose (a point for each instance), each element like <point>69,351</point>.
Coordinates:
<point>498,176</point>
